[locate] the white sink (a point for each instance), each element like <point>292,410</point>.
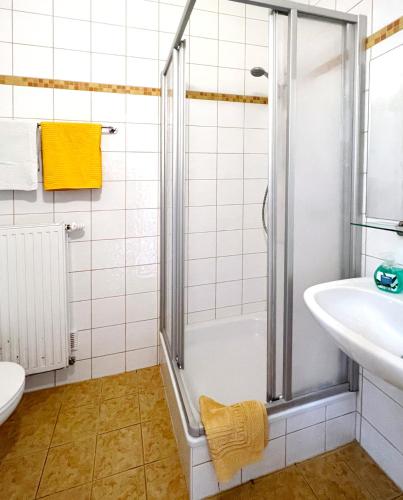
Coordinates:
<point>366,323</point>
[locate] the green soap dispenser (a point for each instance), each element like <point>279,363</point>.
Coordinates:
<point>389,276</point>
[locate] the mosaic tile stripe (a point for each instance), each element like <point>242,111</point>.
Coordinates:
<point>26,81</point>
<point>217,96</point>
<point>23,81</point>
<point>385,32</point>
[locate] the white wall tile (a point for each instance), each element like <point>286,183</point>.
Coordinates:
<point>78,200</point>
<point>108,340</point>
<point>142,43</point>
<point>108,39</point>
<point>230,140</point>
<point>229,293</point>
<point>80,285</point>
<point>33,202</point>
<point>229,217</point>
<point>108,253</point>
<point>33,61</point>
<point>229,268</point>
<point>142,109</point>
<point>141,223</point>
<point>108,311</point>
<point>201,298</point>
<point>76,9</point>
<point>203,51</point>
<point>6,101</point>
<point>141,306</point>
<point>201,271</point>
<point>204,24</point>
<point>202,112</point>
<point>142,14</point>
<point>63,29</point>
<point>42,7</point>
<point>104,11</point>
<point>106,68</point>
<point>141,251</point>
<point>141,358</point>
<point>108,282</point>
<point>232,28</point>
<point>340,431</point>
<point>229,243</point>
<point>343,407</point>
<point>32,29</point>
<point>39,381</point>
<point>5,25</point>
<point>142,72</point>
<point>141,334</point>
<point>382,451</point>
<point>273,459</point>
<point>140,279</point>
<point>72,105</point>
<point>80,315</point>
<point>142,194</point>
<point>108,365</point>
<point>304,444</point>
<point>142,138</point>
<point>110,197</point>
<point>204,481</point>
<point>72,65</point>
<point>201,245</point>
<point>202,219</point>
<point>383,413</point>
<point>108,225</point>
<point>230,166</point>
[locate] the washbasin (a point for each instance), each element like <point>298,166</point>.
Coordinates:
<point>366,323</point>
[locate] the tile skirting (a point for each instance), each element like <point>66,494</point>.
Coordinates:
<point>384,33</point>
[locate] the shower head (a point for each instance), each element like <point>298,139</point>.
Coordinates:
<point>258,71</point>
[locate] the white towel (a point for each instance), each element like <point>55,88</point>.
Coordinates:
<point>18,155</point>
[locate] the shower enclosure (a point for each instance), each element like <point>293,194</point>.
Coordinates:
<point>232,317</point>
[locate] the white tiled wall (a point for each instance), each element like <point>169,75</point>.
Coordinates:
<point>227,163</point>
<point>113,264</point>
<point>380,406</point>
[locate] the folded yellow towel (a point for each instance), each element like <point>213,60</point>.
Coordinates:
<point>236,434</point>
<point>71,155</point>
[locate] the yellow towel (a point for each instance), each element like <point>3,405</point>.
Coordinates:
<point>71,155</point>
<point>236,434</point>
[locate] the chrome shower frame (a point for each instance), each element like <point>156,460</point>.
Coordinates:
<point>357,32</point>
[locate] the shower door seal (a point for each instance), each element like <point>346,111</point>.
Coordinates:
<point>176,345</point>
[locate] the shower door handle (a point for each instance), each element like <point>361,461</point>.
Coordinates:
<point>264,210</point>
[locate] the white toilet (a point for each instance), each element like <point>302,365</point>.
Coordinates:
<point>12,385</point>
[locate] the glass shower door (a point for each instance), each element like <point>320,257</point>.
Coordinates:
<point>313,165</point>
<point>171,214</point>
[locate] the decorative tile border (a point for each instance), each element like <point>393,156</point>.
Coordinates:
<point>217,96</point>
<point>384,33</point>
<point>24,81</point>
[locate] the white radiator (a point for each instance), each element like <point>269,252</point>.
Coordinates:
<point>33,297</point>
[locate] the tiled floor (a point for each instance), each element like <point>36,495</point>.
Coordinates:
<point>107,438</point>
<point>111,439</point>
<point>346,473</point>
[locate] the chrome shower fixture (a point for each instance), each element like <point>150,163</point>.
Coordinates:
<point>258,71</point>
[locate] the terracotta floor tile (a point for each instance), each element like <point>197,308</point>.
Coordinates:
<point>118,451</point>
<point>286,484</point>
<point>153,404</point>
<point>46,399</point>
<point>19,477</point>
<point>68,466</point>
<point>21,435</point>
<point>165,480</point>
<point>116,386</point>
<point>78,422</point>
<point>158,440</point>
<point>374,479</point>
<point>126,485</point>
<point>330,478</point>
<point>81,393</point>
<point>78,493</point>
<point>119,412</point>
<point>148,378</point>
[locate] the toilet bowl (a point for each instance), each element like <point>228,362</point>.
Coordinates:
<point>12,384</point>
